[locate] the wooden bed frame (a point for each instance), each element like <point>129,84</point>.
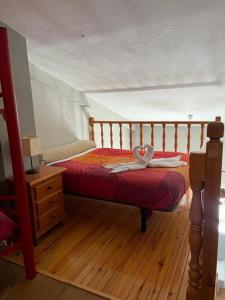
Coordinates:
<point>205,181</point>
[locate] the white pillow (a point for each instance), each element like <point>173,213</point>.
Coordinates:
<point>65,151</point>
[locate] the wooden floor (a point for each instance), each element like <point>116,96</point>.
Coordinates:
<point>220,294</point>
<point>100,247</point>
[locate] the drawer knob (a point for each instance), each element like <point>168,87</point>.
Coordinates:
<point>52,216</point>
<point>50,188</point>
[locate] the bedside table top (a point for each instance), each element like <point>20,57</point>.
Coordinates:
<point>45,172</point>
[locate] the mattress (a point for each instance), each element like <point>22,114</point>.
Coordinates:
<point>151,188</point>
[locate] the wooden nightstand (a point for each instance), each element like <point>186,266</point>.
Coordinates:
<point>46,199</point>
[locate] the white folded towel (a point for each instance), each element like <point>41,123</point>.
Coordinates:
<point>118,168</point>
<point>168,159</point>
<point>127,167</point>
<point>166,164</point>
<point>146,161</point>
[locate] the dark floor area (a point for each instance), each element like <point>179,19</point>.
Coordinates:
<point>14,286</point>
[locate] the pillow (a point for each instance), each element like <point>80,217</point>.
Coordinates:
<point>7,227</point>
<point>62,152</point>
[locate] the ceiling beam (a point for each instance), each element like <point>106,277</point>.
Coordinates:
<point>157,87</point>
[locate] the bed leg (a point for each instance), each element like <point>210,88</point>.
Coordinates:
<point>144,216</point>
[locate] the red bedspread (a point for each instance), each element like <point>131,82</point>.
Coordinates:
<point>152,188</point>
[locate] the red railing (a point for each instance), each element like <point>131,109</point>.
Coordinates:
<point>21,198</point>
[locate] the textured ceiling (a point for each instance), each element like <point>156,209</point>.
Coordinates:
<point>117,44</point>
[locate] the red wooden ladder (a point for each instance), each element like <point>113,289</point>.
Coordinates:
<point>9,113</point>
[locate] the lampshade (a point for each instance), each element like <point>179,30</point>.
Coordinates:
<point>31,146</point>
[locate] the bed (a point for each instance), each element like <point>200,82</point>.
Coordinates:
<point>149,189</point>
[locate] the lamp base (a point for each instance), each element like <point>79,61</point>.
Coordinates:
<point>32,171</point>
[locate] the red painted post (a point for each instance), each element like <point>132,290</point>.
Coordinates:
<point>12,123</point>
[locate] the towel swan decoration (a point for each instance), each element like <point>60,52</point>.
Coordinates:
<point>146,160</point>
<point>149,152</point>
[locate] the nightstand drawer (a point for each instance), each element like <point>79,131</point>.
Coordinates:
<point>47,204</point>
<point>48,188</point>
<point>45,197</point>
<point>51,217</point>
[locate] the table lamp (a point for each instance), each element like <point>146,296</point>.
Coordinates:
<point>31,147</point>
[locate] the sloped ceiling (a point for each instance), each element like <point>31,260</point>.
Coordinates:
<point>203,103</point>
<point>128,46</point>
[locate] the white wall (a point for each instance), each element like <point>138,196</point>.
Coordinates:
<point>100,112</point>
<point>61,113</point>
<point>61,116</point>
<point>182,137</point>
<point>58,109</point>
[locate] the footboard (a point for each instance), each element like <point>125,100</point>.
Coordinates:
<point>205,179</point>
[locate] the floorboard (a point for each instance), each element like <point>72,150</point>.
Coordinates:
<point>100,247</point>
<point>221,294</point>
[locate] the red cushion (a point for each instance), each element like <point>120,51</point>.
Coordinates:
<point>7,227</point>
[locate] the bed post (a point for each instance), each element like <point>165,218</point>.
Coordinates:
<point>197,178</point>
<point>205,174</point>
<point>91,129</point>
<point>213,168</point>
<point>218,119</point>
